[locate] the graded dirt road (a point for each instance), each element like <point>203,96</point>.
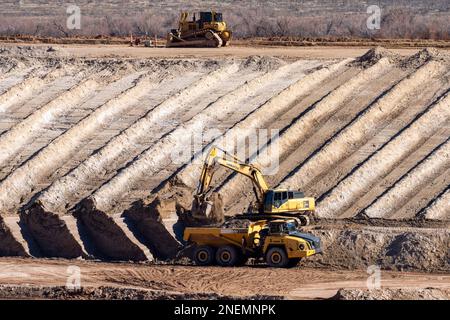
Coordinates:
<point>298,283</point>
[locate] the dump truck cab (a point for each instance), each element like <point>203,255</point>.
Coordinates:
<point>283,236</point>
<point>278,242</point>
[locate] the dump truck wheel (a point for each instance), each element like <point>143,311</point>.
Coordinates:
<point>204,256</point>
<point>242,261</point>
<point>293,262</point>
<point>227,256</point>
<point>276,257</point>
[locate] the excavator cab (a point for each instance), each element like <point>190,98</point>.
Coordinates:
<point>286,201</point>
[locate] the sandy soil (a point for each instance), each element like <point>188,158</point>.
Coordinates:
<point>120,51</point>
<point>87,134</point>
<point>299,283</point>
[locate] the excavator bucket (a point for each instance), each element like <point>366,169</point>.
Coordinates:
<point>207,212</point>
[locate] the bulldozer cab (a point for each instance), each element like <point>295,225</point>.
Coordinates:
<point>210,17</point>
<point>204,21</point>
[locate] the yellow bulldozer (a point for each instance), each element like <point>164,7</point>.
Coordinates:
<point>209,30</point>
<point>270,203</point>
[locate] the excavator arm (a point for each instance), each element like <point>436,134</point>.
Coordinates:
<point>227,160</point>
<point>207,207</point>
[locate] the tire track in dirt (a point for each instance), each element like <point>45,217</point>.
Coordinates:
<point>362,128</point>
<point>18,186</point>
<point>410,184</point>
<point>259,118</point>
<point>384,160</point>
<point>305,125</point>
<point>158,157</point>
<point>99,166</point>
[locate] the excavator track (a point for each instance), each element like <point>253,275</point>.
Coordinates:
<point>302,219</point>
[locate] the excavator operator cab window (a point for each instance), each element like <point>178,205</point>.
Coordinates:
<point>290,195</point>
<point>284,195</point>
<point>277,196</point>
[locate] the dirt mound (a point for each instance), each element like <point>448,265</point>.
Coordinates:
<point>408,251</point>
<point>390,249</point>
<point>262,63</point>
<point>51,233</point>
<point>108,238</point>
<point>374,55</point>
<point>9,246</point>
<point>392,294</point>
<point>422,57</point>
<point>147,218</point>
<point>110,293</point>
<point>29,51</point>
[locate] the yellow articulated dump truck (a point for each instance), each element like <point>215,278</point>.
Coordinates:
<point>277,242</point>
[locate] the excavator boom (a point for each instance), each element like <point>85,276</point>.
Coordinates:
<point>271,204</point>
<point>225,159</point>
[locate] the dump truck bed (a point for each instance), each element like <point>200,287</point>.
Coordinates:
<point>216,236</point>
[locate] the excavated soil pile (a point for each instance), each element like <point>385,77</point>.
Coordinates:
<point>393,294</point>
<point>8,244</point>
<point>112,293</point>
<point>148,220</point>
<point>403,249</point>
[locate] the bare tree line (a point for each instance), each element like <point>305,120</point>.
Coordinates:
<point>398,23</point>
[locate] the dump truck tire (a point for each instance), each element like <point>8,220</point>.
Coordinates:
<point>293,262</point>
<point>228,256</point>
<point>276,257</point>
<point>204,255</point>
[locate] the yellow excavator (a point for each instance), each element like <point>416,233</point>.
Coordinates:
<point>270,203</point>
<point>209,30</point>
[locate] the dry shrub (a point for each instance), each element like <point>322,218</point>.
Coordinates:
<point>258,21</point>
